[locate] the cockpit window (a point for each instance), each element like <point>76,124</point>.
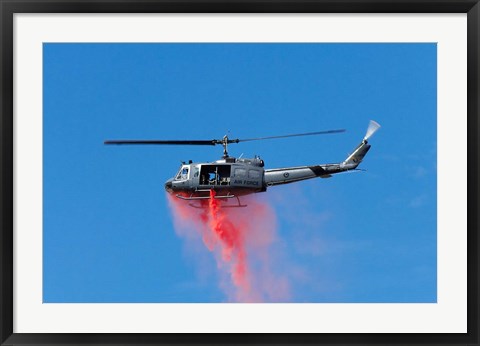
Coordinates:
<point>182,174</point>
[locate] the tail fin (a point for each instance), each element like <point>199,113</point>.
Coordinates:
<point>361,150</point>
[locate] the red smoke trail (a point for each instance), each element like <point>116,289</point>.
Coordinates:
<point>241,238</point>
<point>232,243</point>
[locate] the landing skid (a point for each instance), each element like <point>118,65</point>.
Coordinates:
<point>196,198</point>
<point>202,205</point>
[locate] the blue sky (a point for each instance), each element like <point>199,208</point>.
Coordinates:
<point>108,234</point>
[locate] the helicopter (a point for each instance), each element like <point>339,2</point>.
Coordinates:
<point>232,177</point>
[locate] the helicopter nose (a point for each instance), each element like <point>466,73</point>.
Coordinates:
<point>168,185</point>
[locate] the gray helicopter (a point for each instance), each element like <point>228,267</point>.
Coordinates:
<point>232,177</point>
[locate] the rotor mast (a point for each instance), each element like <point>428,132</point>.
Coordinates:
<point>225,144</point>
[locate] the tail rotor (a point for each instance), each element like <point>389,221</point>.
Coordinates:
<point>373,127</point>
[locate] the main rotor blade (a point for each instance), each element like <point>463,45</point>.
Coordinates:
<point>294,135</point>
<point>159,142</point>
<point>223,141</point>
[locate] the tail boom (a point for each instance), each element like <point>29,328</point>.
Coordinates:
<point>279,176</point>
<point>288,175</point>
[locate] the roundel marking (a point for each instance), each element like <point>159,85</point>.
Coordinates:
<point>286,174</point>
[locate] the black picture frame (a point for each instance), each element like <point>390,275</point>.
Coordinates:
<point>7,10</point>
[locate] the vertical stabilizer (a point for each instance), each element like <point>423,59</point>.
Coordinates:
<point>361,150</point>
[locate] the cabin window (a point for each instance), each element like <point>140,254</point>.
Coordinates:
<point>253,173</point>
<point>240,172</point>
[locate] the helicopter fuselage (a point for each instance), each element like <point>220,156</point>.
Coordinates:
<point>229,177</point>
